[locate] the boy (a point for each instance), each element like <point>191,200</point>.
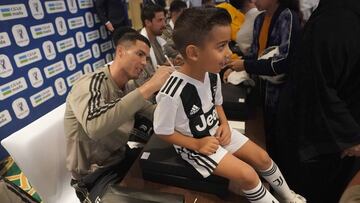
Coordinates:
<point>190,116</point>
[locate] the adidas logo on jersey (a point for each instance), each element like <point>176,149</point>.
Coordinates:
<point>194,109</point>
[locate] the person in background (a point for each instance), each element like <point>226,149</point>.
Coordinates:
<point>278,28</point>
<point>176,8</point>
<point>99,116</point>
<point>112,13</point>
<point>319,111</point>
<point>153,19</point>
<point>244,36</point>
<point>208,3</point>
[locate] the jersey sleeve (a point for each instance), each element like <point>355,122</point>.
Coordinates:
<point>218,95</point>
<point>165,115</point>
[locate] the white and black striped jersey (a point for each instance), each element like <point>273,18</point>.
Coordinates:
<point>188,105</point>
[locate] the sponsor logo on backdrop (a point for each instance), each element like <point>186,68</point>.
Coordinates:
<point>73,78</point>
<point>70,61</point>
<point>49,50</point>
<point>12,11</point>
<point>61,26</point>
<point>92,35</point>
<point>20,35</point>
<point>4,40</point>
<point>5,118</point>
<point>95,50</point>
<point>60,86</point>
<point>108,57</point>
<point>28,57</point>
<point>105,46</point>
<point>87,68</point>
<point>35,77</point>
<point>85,4</point>
<point>55,6</point>
<point>42,30</point>
<point>9,89</point>
<point>89,19</point>
<point>83,56</point>
<point>103,32</point>
<point>80,39</point>
<point>36,9</point>
<point>65,44</point>
<point>72,6</point>
<point>54,69</point>
<point>6,68</point>
<point>98,64</point>
<point>42,96</point>
<point>96,18</point>
<point>20,108</point>
<point>76,22</point>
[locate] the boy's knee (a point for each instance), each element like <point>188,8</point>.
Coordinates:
<point>264,160</point>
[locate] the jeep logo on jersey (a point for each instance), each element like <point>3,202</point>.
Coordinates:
<point>206,121</point>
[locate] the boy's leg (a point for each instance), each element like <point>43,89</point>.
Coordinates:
<point>260,160</point>
<point>234,169</point>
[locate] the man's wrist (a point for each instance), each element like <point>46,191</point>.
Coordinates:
<point>108,22</point>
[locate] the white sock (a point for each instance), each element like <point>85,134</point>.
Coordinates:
<point>277,181</point>
<point>259,194</point>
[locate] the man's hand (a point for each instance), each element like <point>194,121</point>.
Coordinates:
<point>156,81</point>
<point>223,134</point>
<point>226,75</point>
<point>109,26</point>
<point>207,145</point>
<point>237,65</point>
<point>352,151</point>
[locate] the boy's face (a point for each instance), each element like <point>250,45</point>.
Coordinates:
<point>215,52</point>
<point>134,56</point>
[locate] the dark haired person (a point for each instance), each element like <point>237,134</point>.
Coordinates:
<point>99,116</point>
<point>278,30</point>
<point>153,20</point>
<point>190,116</point>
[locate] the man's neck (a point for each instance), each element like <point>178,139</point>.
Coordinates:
<point>193,71</point>
<point>118,75</point>
<point>150,35</point>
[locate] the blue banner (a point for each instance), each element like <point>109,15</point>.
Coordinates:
<point>45,46</point>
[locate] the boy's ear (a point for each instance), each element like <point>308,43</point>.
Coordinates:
<point>192,52</point>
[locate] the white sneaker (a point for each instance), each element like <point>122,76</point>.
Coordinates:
<point>296,199</point>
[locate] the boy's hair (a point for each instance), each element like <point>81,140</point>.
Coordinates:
<point>127,34</point>
<point>177,6</point>
<point>194,25</point>
<point>148,12</point>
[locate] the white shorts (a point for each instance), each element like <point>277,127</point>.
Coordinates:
<point>206,165</point>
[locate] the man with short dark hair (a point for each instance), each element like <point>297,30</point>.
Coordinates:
<point>153,19</point>
<point>99,116</point>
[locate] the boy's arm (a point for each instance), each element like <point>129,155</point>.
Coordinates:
<point>223,133</point>
<point>206,145</point>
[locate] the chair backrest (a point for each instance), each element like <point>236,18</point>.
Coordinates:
<point>39,150</point>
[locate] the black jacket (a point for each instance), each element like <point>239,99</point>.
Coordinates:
<point>114,11</point>
<point>319,111</point>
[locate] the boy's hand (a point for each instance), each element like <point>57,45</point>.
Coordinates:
<point>223,134</point>
<point>208,145</point>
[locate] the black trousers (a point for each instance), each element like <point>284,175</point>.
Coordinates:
<point>93,186</point>
<point>320,180</point>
